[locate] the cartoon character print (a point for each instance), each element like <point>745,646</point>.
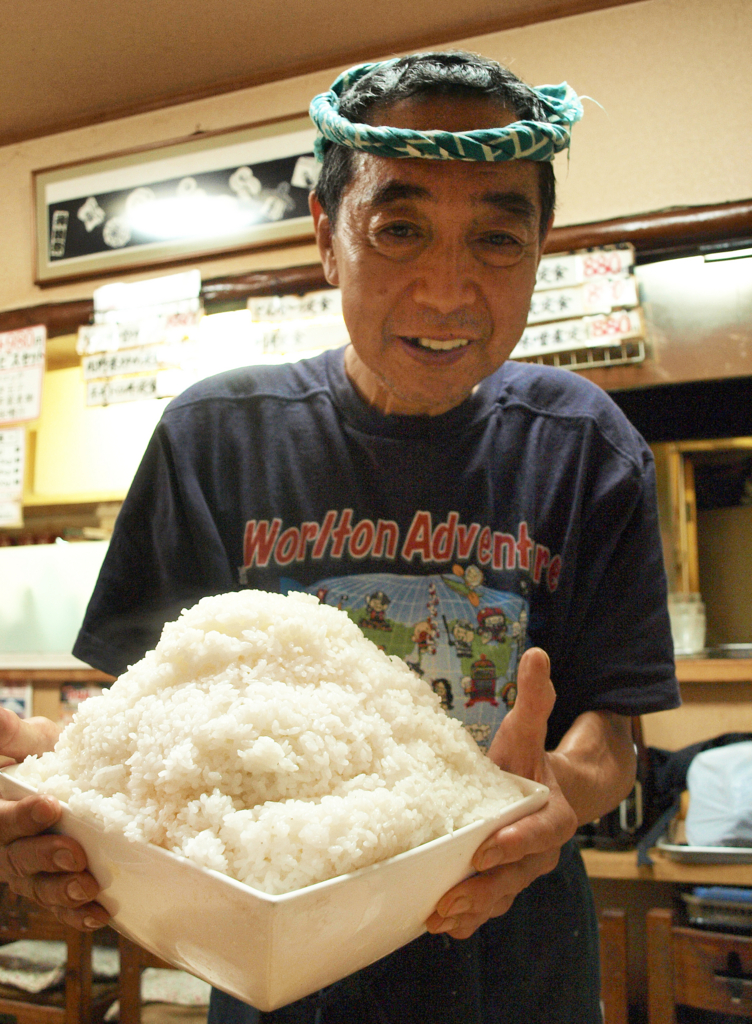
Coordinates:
<point>423,635</point>
<point>481,683</point>
<point>492,625</point>
<point>462,637</point>
<point>481,734</point>
<point>509,694</point>
<point>376,606</point>
<point>443,688</point>
<point>466,582</point>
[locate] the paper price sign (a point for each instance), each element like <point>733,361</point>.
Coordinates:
<point>11,513</point>
<point>20,394</point>
<point>598,296</point>
<point>567,271</point>
<point>588,332</point>
<point>296,307</point>
<point>12,451</point>
<point>130,360</point>
<point>122,389</point>
<point>156,330</point>
<point>22,349</point>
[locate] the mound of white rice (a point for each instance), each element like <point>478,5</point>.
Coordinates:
<point>267,738</point>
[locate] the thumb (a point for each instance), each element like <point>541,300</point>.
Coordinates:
<point>20,737</point>
<point>519,743</point>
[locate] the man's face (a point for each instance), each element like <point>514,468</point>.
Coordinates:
<point>436,261</point>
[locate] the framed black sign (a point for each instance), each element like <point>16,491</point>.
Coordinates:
<point>211,193</point>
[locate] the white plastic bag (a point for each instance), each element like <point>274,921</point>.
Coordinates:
<point>720,796</point>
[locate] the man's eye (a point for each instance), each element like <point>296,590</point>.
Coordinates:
<point>400,230</point>
<point>500,249</point>
<point>498,239</point>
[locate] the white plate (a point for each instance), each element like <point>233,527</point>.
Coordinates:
<point>705,854</point>
<point>271,950</point>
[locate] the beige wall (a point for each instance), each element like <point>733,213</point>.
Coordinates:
<point>672,129</point>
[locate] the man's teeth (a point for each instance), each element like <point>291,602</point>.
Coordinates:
<point>442,346</point>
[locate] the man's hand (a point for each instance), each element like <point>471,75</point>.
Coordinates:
<point>588,774</point>
<point>49,869</point>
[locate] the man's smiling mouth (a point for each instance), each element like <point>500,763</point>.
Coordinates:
<point>438,345</point>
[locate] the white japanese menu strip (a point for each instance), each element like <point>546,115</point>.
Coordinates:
<point>567,270</point>
<point>22,349</point>
<point>121,389</point>
<point>154,330</point>
<point>20,394</point>
<point>148,358</point>
<point>598,296</point>
<point>586,332</point>
<point>11,513</point>
<point>296,307</point>
<point>12,454</point>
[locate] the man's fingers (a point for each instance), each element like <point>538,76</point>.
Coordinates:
<point>26,857</point>
<point>523,839</point>
<point>546,829</point>
<point>84,919</point>
<point>69,897</point>
<point>470,904</point>
<point>67,891</point>
<point>27,817</point>
<point>21,737</point>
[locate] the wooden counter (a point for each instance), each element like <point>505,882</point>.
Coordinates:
<point>622,866</point>
<point>46,683</point>
<point>714,670</point>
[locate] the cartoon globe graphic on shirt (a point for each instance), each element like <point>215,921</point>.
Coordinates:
<point>464,638</point>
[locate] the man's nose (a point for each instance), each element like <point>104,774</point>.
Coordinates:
<point>444,279</point>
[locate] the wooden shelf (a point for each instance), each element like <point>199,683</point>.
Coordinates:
<point>714,670</point>
<point>52,676</point>
<point>623,865</point>
<point>87,498</point>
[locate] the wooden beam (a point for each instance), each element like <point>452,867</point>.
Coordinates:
<point>662,231</point>
<point>655,233</point>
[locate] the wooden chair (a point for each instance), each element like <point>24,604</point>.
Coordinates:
<point>703,969</point>
<point>82,1001</point>
<point>612,926</point>
<point>132,961</point>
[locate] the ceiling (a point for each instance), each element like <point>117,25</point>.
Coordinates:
<point>69,63</point>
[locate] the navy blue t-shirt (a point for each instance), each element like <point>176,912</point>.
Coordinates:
<point>526,516</point>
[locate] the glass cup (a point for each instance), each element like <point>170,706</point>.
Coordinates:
<point>687,614</point>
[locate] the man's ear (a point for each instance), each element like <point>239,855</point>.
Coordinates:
<point>544,237</point>
<point>324,232</point>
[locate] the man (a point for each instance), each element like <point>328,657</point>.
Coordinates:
<point>381,467</point>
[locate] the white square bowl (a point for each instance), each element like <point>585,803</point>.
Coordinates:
<point>267,950</point>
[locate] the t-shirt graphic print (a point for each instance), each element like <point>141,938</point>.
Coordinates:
<point>463,637</point>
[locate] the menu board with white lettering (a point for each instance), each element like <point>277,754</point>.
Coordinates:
<point>21,373</point>
<point>586,300</point>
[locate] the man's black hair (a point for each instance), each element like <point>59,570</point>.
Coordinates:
<point>430,74</point>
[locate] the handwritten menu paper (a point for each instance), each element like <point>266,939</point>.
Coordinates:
<point>565,271</point>
<point>12,452</point>
<point>584,301</point>
<point>21,373</point>
<point>121,389</point>
<point>598,296</point>
<point>587,332</point>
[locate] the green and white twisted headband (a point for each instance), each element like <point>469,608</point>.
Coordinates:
<point>522,140</point>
